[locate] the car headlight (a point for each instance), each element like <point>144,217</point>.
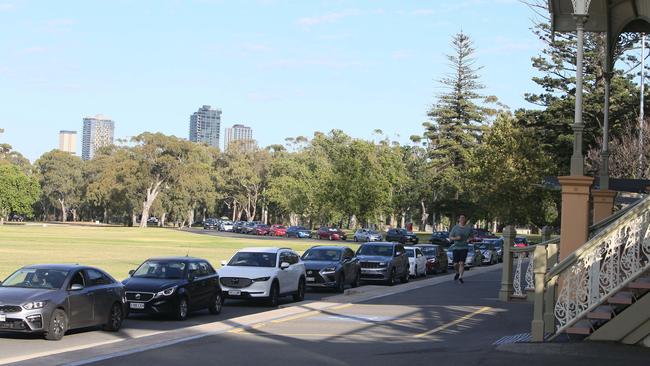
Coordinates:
<point>261,279</point>
<point>382,264</point>
<point>166,292</point>
<point>328,270</point>
<point>34,305</point>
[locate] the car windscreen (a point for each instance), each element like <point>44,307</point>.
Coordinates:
<point>161,269</point>
<point>429,251</point>
<point>41,278</point>
<point>330,255</point>
<point>374,249</point>
<point>410,253</point>
<point>227,222</point>
<point>253,259</point>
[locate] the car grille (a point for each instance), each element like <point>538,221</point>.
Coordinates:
<point>236,282</point>
<point>10,309</point>
<point>369,265</point>
<point>14,324</point>
<point>139,296</point>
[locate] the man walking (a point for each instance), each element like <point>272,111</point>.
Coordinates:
<point>459,234</point>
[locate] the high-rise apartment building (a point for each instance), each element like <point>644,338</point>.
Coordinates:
<point>68,141</point>
<point>98,132</point>
<point>241,133</point>
<point>205,125</point>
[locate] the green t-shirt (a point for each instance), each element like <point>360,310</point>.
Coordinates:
<point>464,232</point>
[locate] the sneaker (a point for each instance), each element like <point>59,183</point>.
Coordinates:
<point>461,280</point>
<point>456,276</point>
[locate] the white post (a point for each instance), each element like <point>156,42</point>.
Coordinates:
<point>577,159</point>
<point>641,113</point>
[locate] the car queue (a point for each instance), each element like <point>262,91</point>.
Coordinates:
<point>52,299</point>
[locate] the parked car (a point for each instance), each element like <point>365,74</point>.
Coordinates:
<point>498,246</point>
<point>383,261</point>
<point>440,238</point>
<point>488,252</point>
<point>436,255</point>
<point>249,227</point>
<point>478,235</point>
<point>54,298</point>
<point>521,242</point>
<point>332,267</point>
<point>261,229</point>
<point>330,233</point>
<point>277,230</point>
<point>174,286</point>
<point>401,236</point>
<point>473,257</point>
<point>417,262</point>
<point>225,225</point>
<point>367,235</point>
<point>152,221</point>
<point>264,273</point>
<point>237,226</point>
<point>298,232</point>
<point>210,224</point>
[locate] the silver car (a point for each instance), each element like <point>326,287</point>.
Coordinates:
<point>53,298</point>
<point>367,235</point>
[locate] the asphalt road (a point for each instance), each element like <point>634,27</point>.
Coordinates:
<point>446,323</point>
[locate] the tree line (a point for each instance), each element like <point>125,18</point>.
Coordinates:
<point>474,156</point>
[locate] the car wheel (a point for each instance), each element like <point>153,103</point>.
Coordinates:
<point>217,303</point>
<point>391,279</point>
<point>115,318</point>
<point>182,309</point>
<point>272,300</point>
<point>340,283</point>
<point>357,280</point>
<point>406,276</point>
<point>58,326</point>
<point>300,295</point>
<point>415,272</point>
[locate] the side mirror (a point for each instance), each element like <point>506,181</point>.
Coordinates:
<point>224,263</point>
<point>284,265</point>
<point>76,287</point>
<point>131,272</point>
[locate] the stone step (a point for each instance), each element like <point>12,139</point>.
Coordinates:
<point>641,283</point>
<point>603,312</point>
<point>622,298</point>
<point>582,327</point>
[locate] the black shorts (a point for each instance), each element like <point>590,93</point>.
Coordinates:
<point>460,255</point>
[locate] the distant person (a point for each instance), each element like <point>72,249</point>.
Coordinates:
<point>409,227</point>
<point>459,234</point>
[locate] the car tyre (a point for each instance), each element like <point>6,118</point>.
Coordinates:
<point>406,277</point>
<point>300,294</point>
<point>391,279</point>
<point>115,318</point>
<point>182,310</point>
<point>272,300</point>
<point>58,326</point>
<point>357,280</point>
<point>340,283</point>
<point>216,304</point>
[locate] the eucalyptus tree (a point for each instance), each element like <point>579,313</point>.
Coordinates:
<point>61,180</point>
<point>18,191</point>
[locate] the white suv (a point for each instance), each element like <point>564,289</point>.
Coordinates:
<point>267,273</point>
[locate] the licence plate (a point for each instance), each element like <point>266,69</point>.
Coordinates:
<point>3,318</point>
<point>234,292</point>
<point>136,305</point>
<point>311,279</point>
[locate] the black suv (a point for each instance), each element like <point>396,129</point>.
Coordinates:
<point>401,236</point>
<point>381,261</point>
<point>332,266</point>
<point>175,286</point>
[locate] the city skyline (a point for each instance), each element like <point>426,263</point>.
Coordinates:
<point>205,126</point>
<point>238,132</point>
<point>98,132</point>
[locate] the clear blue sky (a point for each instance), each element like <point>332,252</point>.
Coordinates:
<point>285,68</point>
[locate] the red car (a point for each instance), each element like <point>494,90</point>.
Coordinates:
<point>521,242</point>
<point>330,233</point>
<point>278,230</point>
<point>261,229</point>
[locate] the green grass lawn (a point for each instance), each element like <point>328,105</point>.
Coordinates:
<point>115,249</point>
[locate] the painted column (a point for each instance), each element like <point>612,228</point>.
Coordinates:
<point>506,290</point>
<point>577,159</point>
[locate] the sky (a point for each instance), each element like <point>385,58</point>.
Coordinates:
<point>285,68</point>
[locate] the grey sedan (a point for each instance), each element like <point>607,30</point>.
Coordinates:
<point>51,299</point>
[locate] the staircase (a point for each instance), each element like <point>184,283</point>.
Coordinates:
<point>600,292</point>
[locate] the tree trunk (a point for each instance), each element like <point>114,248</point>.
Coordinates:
<point>425,217</point>
<point>134,219</point>
<point>234,210</point>
<point>403,220</point>
<point>152,193</point>
<point>190,217</point>
<point>162,219</point>
<point>106,215</point>
<point>63,212</point>
<point>74,215</point>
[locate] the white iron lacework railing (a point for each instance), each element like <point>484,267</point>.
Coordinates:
<point>518,255</point>
<point>611,259</point>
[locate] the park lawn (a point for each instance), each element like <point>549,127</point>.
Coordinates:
<point>115,249</point>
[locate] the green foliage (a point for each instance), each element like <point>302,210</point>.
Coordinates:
<point>60,176</point>
<point>18,191</point>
